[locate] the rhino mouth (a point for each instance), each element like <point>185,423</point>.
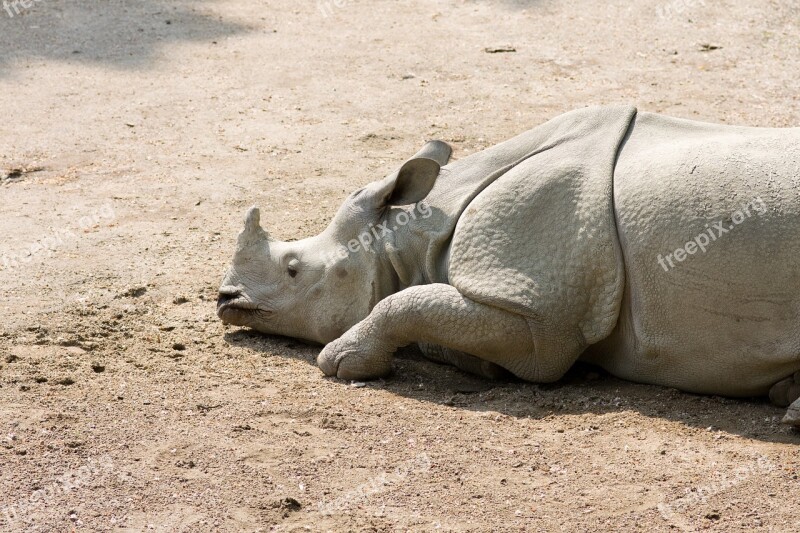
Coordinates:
<point>233,311</point>
<point>240,311</point>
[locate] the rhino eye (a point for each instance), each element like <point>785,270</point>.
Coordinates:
<point>292,268</point>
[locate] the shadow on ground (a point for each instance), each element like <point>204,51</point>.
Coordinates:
<point>585,389</point>
<point>116,33</point>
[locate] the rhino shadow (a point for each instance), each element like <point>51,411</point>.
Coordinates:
<point>585,389</point>
<point>124,35</point>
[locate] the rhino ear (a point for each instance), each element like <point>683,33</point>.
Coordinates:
<point>416,177</point>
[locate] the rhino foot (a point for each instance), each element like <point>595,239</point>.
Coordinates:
<point>792,417</point>
<point>356,355</point>
<point>786,391</point>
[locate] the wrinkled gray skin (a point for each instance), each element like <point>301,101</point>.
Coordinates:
<point>552,247</point>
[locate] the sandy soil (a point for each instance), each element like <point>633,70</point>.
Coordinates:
<point>133,137</point>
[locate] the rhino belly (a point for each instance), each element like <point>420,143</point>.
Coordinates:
<point>709,223</point>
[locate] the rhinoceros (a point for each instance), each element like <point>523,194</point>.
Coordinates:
<point>666,251</point>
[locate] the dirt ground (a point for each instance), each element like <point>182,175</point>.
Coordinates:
<point>133,137</point>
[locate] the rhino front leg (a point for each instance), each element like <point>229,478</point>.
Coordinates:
<point>438,314</point>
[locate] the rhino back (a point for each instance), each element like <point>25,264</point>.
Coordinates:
<point>723,317</point>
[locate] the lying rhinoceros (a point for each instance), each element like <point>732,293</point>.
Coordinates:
<point>664,250</point>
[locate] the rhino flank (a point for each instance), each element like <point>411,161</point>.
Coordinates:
<point>666,251</point>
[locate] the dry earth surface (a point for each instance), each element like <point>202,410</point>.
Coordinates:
<point>133,137</point>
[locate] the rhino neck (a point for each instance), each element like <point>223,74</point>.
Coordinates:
<point>401,255</point>
<point>386,279</point>
<point>411,249</point>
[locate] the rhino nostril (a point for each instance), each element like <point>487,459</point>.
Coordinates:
<point>224,298</point>
<point>226,294</point>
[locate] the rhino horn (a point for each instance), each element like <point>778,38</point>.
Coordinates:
<point>252,233</point>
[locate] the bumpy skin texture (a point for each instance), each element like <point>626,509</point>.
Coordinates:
<point>434,314</point>
<point>554,246</point>
<point>541,242</point>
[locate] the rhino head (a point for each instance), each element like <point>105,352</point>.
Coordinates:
<point>317,288</point>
